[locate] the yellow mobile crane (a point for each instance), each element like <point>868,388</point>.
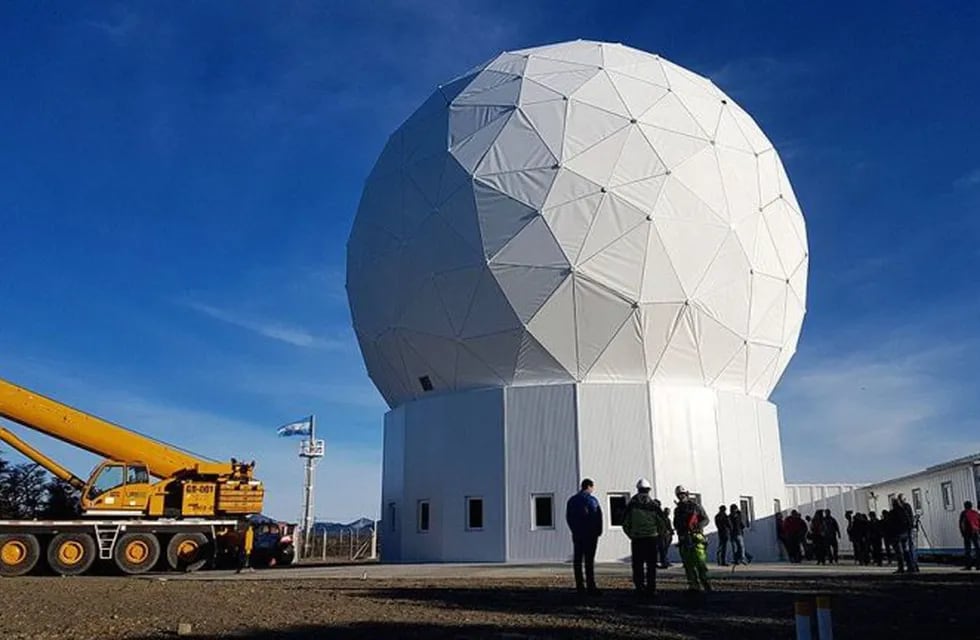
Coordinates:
<point>144,498</point>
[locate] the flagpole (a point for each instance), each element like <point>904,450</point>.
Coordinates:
<point>308,491</point>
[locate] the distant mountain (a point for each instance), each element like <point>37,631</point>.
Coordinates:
<point>361,524</point>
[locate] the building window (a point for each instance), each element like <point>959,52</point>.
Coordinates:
<point>426,383</point>
<point>917,500</point>
<point>777,506</point>
<point>747,506</point>
<point>697,498</point>
<point>423,515</point>
<point>392,515</point>
<point>543,511</point>
<point>947,488</point>
<point>617,508</point>
<point>474,514</point>
<point>891,500</point>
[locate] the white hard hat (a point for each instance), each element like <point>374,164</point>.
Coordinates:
<point>680,491</point>
<point>643,483</point>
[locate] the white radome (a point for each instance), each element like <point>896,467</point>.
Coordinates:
<point>581,211</point>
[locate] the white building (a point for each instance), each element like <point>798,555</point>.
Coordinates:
<point>578,260</point>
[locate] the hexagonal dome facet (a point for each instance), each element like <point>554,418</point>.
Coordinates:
<point>579,211</point>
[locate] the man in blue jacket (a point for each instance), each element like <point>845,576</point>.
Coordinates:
<point>584,518</point>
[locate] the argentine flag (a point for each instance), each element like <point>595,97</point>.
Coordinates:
<point>302,427</point>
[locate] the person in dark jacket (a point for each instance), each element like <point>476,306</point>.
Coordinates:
<point>724,527</point>
<point>666,538</point>
<point>833,536</point>
<point>795,530</point>
<point>737,520</point>
<point>643,524</point>
<point>584,517</point>
<point>877,538</point>
<point>690,521</point>
<point>970,529</point>
<point>910,540</point>
<point>899,526</point>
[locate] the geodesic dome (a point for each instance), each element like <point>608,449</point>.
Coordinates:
<point>579,211</point>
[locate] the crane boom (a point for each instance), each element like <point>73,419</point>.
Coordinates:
<point>99,436</point>
<point>33,454</point>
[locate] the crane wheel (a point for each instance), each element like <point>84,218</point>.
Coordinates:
<point>188,551</point>
<point>136,552</point>
<point>71,554</point>
<point>19,552</point>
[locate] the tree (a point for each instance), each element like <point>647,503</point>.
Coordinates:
<point>22,491</point>
<point>61,501</point>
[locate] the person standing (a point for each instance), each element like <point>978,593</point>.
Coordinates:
<point>795,530</point>
<point>642,524</point>
<point>877,535</point>
<point>900,528</point>
<point>245,545</point>
<point>737,519</point>
<point>584,517</point>
<point>689,521</point>
<point>724,527</point>
<point>666,537</point>
<point>833,536</point>
<point>970,528</point>
<point>912,557</point>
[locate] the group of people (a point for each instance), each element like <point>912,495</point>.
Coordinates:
<point>816,537</point>
<point>731,531</point>
<point>650,529</point>
<point>874,539</point>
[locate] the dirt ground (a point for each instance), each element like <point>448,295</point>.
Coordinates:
<point>865,606</point>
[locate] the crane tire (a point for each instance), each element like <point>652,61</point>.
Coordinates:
<point>19,553</point>
<point>136,553</point>
<point>71,554</point>
<point>188,551</point>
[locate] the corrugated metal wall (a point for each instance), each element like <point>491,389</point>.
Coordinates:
<point>392,487</point>
<point>454,449</point>
<point>839,498</point>
<point>542,458</point>
<point>615,449</point>
<point>939,526</point>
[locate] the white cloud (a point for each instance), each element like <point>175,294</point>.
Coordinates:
<point>899,403</point>
<point>295,336</point>
<point>969,180</point>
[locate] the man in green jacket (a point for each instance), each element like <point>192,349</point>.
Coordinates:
<point>644,525</point>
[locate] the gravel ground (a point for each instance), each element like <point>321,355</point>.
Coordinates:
<point>865,607</point>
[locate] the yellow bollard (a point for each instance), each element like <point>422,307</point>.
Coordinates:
<point>825,627</point>
<point>804,613</point>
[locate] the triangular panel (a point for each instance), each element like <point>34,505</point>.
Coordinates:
<point>554,326</point>
<point>534,363</point>
<point>528,288</point>
<point>599,313</point>
<point>622,359</point>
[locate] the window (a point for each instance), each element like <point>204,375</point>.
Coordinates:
<point>617,508</point>
<point>947,488</point>
<point>697,498</point>
<point>777,506</point>
<point>109,478</point>
<point>917,500</point>
<point>976,480</point>
<point>543,511</point>
<point>747,506</point>
<point>423,515</point>
<point>392,515</point>
<point>137,475</point>
<point>426,383</point>
<point>891,499</point>
<point>474,514</point>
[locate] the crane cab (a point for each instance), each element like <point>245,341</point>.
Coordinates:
<point>117,488</point>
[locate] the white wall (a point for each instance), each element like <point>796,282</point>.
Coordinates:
<point>939,526</point>
<point>615,449</point>
<point>839,498</point>
<point>505,445</point>
<point>453,448</point>
<point>542,458</point>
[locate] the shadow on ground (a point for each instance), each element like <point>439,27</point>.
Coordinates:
<point>866,607</point>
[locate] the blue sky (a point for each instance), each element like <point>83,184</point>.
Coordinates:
<point>177,183</point>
